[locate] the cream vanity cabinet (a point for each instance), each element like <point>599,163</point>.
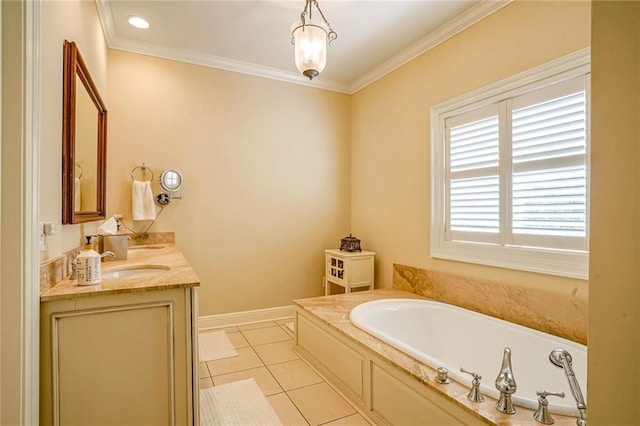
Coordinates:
<point>119,359</point>
<point>348,269</point>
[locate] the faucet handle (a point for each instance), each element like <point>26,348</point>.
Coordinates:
<point>474,394</point>
<point>443,376</point>
<point>542,414</point>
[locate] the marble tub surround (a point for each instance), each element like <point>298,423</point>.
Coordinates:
<point>334,312</point>
<point>564,316</point>
<point>179,275</point>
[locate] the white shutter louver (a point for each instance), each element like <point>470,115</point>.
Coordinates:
<point>549,178</point>
<point>474,156</point>
<point>475,205</point>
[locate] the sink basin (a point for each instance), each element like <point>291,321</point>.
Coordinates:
<point>135,271</point>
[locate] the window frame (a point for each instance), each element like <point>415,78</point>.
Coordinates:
<point>563,262</point>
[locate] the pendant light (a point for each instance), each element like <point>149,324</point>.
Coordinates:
<point>311,36</point>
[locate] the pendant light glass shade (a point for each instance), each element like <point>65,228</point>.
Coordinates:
<point>311,37</point>
<point>310,42</point>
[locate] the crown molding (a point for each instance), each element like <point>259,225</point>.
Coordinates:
<point>446,31</point>
<point>443,33</point>
<point>106,19</point>
<point>226,64</point>
<point>197,58</point>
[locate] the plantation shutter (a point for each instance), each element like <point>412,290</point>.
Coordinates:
<point>543,202</point>
<point>549,181</point>
<point>510,172</point>
<point>474,176</point>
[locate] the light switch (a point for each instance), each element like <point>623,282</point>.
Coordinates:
<point>49,228</point>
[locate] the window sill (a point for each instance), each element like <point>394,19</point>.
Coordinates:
<point>572,264</point>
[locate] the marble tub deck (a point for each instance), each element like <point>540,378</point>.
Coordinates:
<point>334,311</point>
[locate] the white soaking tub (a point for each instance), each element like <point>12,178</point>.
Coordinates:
<point>442,335</point>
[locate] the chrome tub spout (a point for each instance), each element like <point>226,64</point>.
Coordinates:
<point>506,385</point>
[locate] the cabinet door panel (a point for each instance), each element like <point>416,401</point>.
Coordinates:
<point>114,365</point>
<point>339,358</point>
<point>398,404</point>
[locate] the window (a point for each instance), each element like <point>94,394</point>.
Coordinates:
<point>510,172</point>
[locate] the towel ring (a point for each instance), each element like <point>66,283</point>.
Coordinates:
<point>143,168</point>
<point>81,171</point>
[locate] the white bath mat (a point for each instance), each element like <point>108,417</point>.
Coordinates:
<point>214,345</point>
<point>290,326</point>
<point>238,403</point>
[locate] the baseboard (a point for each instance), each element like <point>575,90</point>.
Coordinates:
<point>245,317</point>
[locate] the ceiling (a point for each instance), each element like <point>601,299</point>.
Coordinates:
<point>254,37</point>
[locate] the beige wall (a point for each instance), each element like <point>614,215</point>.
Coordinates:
<point>240,224</point>
<point>390,163</point>
<point>265,166</point>
<point>74,21</point>
<point>614,279</point>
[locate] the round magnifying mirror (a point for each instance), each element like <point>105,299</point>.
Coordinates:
<point>171,180</point>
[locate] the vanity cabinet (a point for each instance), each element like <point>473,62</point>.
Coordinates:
<point>119,359</point>
<point>348,269</point>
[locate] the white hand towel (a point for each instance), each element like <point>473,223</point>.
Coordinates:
<point>142,207</point>
<point>77,195</point>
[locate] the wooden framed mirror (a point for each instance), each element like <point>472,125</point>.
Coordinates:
<point>84,142</point>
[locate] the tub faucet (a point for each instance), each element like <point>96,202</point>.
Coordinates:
<point>542,413</point>
<point>474,394</point>
<point>506,385</point>
<point>561,358</point>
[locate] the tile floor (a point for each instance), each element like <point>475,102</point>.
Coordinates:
<point>296,392</point>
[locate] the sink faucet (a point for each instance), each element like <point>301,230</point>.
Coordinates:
<point>506,385</point>
<point>561,358</point>
<point>107,254</point>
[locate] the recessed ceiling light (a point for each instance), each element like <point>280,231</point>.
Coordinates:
<point>138,22</point>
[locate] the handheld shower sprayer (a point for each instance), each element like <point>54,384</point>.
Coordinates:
<point>561,358</point>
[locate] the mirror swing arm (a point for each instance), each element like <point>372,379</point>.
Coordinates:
<point>74,66</point>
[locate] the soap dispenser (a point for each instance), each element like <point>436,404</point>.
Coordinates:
<point>88,265</point>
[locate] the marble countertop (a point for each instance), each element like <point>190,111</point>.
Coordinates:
<point>334,311</point>
<point>179,275</point>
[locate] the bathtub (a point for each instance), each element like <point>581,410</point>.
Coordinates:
<point>442,335</point>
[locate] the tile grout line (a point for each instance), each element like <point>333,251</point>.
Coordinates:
<point>288,397</point>
<point>243,369</point>
<point>335,389</point>
<point>274,377</point>
<point>286,392</point>
<point>344,417</point>
<point>297,409</point>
